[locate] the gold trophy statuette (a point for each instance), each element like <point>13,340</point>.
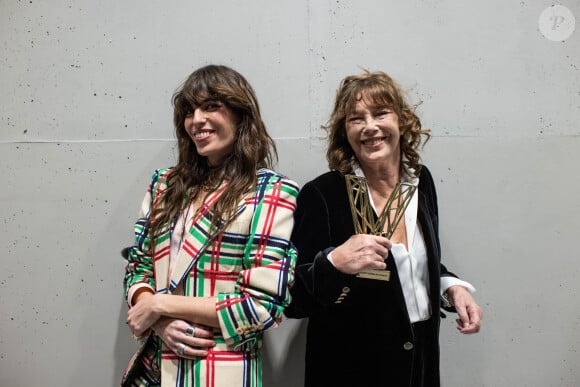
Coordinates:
<point>363,214</point>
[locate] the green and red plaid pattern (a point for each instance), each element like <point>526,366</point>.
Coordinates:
<point>248,266</point>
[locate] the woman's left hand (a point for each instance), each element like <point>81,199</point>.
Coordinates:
<point>184,339</point>
<point>144,314</point>
<point>469,312</point>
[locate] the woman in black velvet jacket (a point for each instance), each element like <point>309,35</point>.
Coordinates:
<point>380,330</point>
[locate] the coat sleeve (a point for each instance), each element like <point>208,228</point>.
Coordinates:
<point>261,291</point>
<point>139,267</point>
<point>318,283</point>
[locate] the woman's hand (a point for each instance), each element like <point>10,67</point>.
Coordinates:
<point>361,252</point>
<point>184,339</point>
<point>469,312</point>
<point>144,313</point>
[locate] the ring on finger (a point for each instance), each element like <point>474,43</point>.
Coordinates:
<point>190,331</point>
<point>180,349</point>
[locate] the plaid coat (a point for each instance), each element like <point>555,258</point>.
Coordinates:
<point>248,267</point>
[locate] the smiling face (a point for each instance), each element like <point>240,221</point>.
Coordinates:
<point>373,133</point>
<point>212,128</point>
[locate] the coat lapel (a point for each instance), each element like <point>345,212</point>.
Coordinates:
<point>197,239</point>
<point>424,218</point>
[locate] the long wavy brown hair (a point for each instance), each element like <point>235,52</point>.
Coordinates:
<point>378,89</point>
<point>253,148</point>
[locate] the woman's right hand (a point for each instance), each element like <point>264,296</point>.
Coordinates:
<point>361,252</point>
<point>177,335</point>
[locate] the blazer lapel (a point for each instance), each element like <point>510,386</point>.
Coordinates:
<point>424,218</point>
<point>197,239</point>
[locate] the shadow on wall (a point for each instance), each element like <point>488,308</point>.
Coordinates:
<point>283,354</point>
<point>125,346</point>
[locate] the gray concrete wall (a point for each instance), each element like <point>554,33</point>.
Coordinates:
<point>85,117</point>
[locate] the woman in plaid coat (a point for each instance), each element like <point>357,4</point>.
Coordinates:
<point>212,263</point>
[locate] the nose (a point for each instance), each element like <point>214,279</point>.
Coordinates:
<point>199,116</point>
<point>369,124</point>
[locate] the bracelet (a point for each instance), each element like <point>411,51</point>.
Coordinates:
<point>446,301</point>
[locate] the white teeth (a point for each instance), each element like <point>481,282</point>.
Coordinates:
<point>373,142</point>
<point>201,134</point>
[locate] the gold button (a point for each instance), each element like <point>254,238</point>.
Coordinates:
<point>408,346</point>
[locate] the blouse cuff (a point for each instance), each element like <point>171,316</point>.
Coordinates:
<point>329,257</point>
<point>133,289</point>
<point>447,282</point>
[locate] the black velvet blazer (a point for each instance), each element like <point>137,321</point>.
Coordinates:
<point>359,333</point>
